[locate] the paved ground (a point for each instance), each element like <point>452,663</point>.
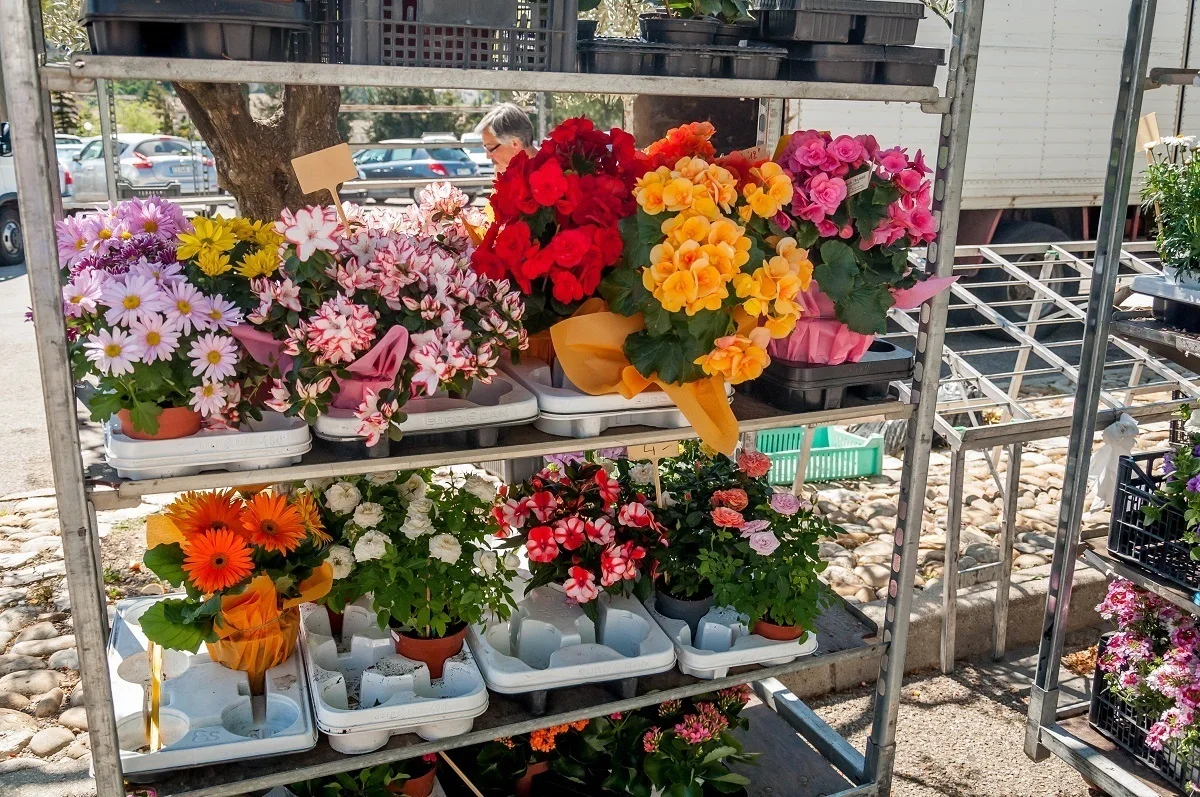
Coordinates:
<point>23,446</point>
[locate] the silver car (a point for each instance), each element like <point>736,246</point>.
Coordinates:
<point>146,159</point>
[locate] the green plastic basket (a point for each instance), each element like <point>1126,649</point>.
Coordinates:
<point>836,454</point>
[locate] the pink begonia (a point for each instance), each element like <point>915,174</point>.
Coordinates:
<point>891,162</point>
<point>847,150</point>
<point>826,192</point>
<point>310,230</point>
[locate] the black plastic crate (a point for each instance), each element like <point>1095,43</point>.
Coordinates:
<point>845,21</point>
<point>1127,728</point>
<point>804,387</point>
<point>634,56</point>
<point>239,30</point>
<point>1158,547</point>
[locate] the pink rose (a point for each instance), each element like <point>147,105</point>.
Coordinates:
<point>764,542</point>
<point>810,153</point>
<point>725,517</point>
<point>847,150</point>
<point>827,192</point>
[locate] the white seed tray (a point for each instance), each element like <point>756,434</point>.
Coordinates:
<point>723,640</point>
<point>274,442</point>
<point>392,694</point>
<point>1166,288</point>
<point>549,643</point>
<point>206,715</point>
<point>504,402</point>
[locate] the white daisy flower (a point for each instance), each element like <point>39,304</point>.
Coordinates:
<point>214,357</point>
<point>158,338</point>
<point>113,351</point>
<point>129,299</point>
<point>208,398</point>
<point>185,306</point>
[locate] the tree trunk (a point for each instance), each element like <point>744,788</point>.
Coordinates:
<point>254,155</point>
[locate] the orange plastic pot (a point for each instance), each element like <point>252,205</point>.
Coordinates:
<point>173,423</point>
<point>433,651</point>
<point>524,784</point>
<point>421,786</point>
<point>778,633</point>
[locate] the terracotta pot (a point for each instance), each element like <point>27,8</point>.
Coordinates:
<point>173,423</point>
<point>419,786</point>
<point>779,633</point>
<point>433,652</point>
<point>524,784</point>
<point>335,621</point>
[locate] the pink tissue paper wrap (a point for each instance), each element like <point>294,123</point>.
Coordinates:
<point>376,370</point>
<point>263,347</point>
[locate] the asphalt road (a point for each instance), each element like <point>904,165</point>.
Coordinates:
<point>24,450</point>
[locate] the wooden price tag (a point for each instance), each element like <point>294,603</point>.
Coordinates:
<point>1147,131</point>
<point>326,169</point>
<point>655,452</point>
<point>754,154</point>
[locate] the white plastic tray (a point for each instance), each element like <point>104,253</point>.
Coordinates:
<point>549,643</point>
<point>275,441</point>
<point>723,640</point>
<point>206,715</point>
<point>1166,288</point>
<point>394,694</point>
<point>502,403</point>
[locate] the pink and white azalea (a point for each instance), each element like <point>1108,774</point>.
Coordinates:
<point>311,230</point>
<point>208,398</point>
<point>581,586</point>
<point>635,515</point>
<point>600,531</point>
<point>157,337</point>
<point>281,398</point>
<point>339,330</point>
<point>81,294</point>
<point>214,357</point>
<point>113,351</point>
<point>129,298</point>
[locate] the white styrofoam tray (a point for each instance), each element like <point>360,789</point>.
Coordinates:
<point>275,441</point>
<point>1166,288</point>
<point>393,694</point>
<point>206,715</point>
<point>550,643</point>
<point>504,402</point>
<point>723,640</point>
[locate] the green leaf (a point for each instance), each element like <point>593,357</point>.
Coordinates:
<point>104,405</point>
<point>623,290</point>
<point>837,271</point>
<point>144,415</point>
<point>806,234</point>
<point>734,778</point>
<point>166,562</point>
<point>718,753</point>
<point>865,309</point>
<point>164,623</point>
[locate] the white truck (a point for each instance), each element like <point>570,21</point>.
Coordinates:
<point>12,248</point>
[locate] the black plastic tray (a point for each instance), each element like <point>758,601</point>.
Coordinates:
<point>1181,315</point>
<point>1158,547</point>
<point>854,21</point>
<point>864,63</point>
<point>804,387</point>
<point>240,30</point>
<point>633,56</point>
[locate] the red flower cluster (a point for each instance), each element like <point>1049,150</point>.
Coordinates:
<point>557,213</point>
<point>686,141</point>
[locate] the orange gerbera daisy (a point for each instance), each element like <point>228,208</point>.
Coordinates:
<point>193,513</point>
<point>311,516</point>
<point>270,522</point>
<point>216,560</point>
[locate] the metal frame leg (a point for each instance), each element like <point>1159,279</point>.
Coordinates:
<point>1043,699</point>
<point>107,108</point>
<point>38,195</point>
<point>958,466</point>
<point>1008,529</point>
<point>947,192</point>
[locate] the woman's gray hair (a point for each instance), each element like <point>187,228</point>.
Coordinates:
<point>508,121</point>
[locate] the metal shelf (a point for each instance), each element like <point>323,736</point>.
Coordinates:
<point>844,634</point>
<point>96,67</point>
<point>1181,348</point>
<point>1095,553</point>
<point>515,442</point>
<point>1101,762</point>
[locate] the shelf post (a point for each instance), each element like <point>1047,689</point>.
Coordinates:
<point>947,196</point>
<point>21,48</point>
<point>1043,699</point>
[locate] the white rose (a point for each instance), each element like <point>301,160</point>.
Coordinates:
<point>372,545</point>
<point>317,485</point>
<point>511,561</point>
<point>486,561</point>
<point>341,560</point>
<point>415,487</point>
<point>668,500</point>
<point>445,547</point>
<point>481,488</point>
<point>642,473</point>
<point>342,497</point>
<point>421,506</point>
<point>368,514</point>
<point>416,525</point>
<point>381,478</point>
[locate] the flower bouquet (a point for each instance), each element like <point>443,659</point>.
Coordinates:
<point>357,321</point>
<point>737,543</point>
<point>145,326</point>
<point>513,763</point>
<point>246,563</point>
<point>582,528</point>
<point>418,544</point>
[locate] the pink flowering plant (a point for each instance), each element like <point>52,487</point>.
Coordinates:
<point>366,316</point>
<point>140,321</point>
<point>858,241</point>
<point>734,538</point>
<point>1152,664</point>
<point>583,527</point>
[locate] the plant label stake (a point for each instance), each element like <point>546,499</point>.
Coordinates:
<point>155,734</point>
<point>655,452</point>
<point>462,775</point>
<point>151,669</point>
<point>1147,137</point>
<point>326,169</point>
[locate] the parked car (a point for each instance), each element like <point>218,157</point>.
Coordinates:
<point>473,144</point>
<point>413,159</point>
<point>67,146</point>
<point>145,159</point>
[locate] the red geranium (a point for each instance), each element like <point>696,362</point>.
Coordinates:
<point>556,217</point>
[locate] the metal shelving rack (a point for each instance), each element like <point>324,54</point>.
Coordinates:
<point>1071,739</point>
<point>29,79</point>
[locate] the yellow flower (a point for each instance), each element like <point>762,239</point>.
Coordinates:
<point>267,238</point>
<point>678,194</point>
<point>649,191</point>
<point>675,293</point>
<point>687,226</point>
<point>798,257</point>
<point>212,262</point>
<point>738,358</point>
<point>211,235</point>
<point>261,263</point>
<point>242,228</point>
<point>780,327</point>
<point>690,168</point>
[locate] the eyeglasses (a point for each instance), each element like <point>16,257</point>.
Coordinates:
<point>493,147</point>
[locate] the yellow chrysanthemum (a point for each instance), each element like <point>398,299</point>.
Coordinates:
<point>212,262</point>
<point>242,228</point>
<point>738,358</point>
<point>267,238</point>
<point>261,263</point>
<point>209,235</point>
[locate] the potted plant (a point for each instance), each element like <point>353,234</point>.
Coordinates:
<point>586,28</point>
<point>158,346</point>
<point>412,777</point>
<point>683,22</point>
<point>515,763</point>
<point>246,562</point>
<point>359,320</point>
<point>583,528</point>
<point>737,23</point>
<point>1172,189</point>
<point>420,548</point>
